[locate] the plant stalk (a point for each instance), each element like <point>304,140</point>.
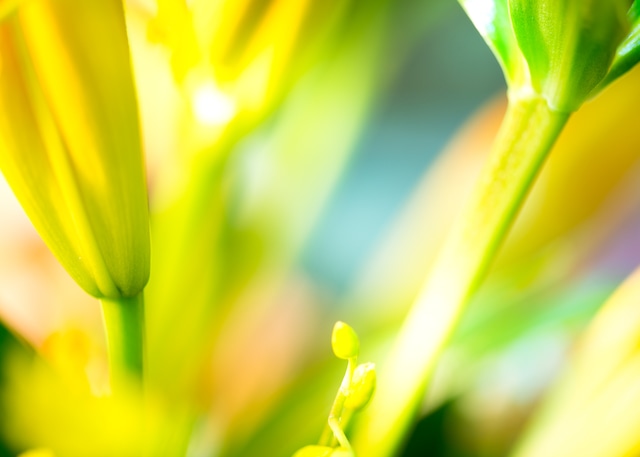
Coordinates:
<point>124,326</point>
<point>527,134</point>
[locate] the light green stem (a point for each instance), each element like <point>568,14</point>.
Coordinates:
<point>527,134</point>
<point>328,437</point>
<point>124,325</point>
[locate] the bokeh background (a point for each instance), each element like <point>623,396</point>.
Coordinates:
<point>356,249</point>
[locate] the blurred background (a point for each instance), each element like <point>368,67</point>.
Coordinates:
<point>330,203</point>
<point>431,90</point>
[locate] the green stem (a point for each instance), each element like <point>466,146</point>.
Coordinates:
<point>527,134</point>
<point>328,437</point>
<point>124,325</point>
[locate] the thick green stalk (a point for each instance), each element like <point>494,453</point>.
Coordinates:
<point>528,132</point>
<point>124,326</point>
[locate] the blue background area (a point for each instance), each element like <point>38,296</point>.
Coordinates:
<point>444,79</point>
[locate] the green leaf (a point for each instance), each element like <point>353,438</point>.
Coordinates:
<point>568,44</point>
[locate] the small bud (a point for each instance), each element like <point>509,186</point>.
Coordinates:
<point>362,387</point>
<point>344,341</point>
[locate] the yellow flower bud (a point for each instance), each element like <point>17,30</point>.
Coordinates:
<point>344,341</point>
<point>70,145</point>
<point>362,387</point>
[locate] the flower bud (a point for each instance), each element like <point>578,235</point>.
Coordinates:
<point>70,141</point>
<point>362,387</point>
<point>344,341</point>
<point>568,44</point>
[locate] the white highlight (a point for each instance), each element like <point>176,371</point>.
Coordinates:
<point>483,15</point>
<point>211,106</point>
